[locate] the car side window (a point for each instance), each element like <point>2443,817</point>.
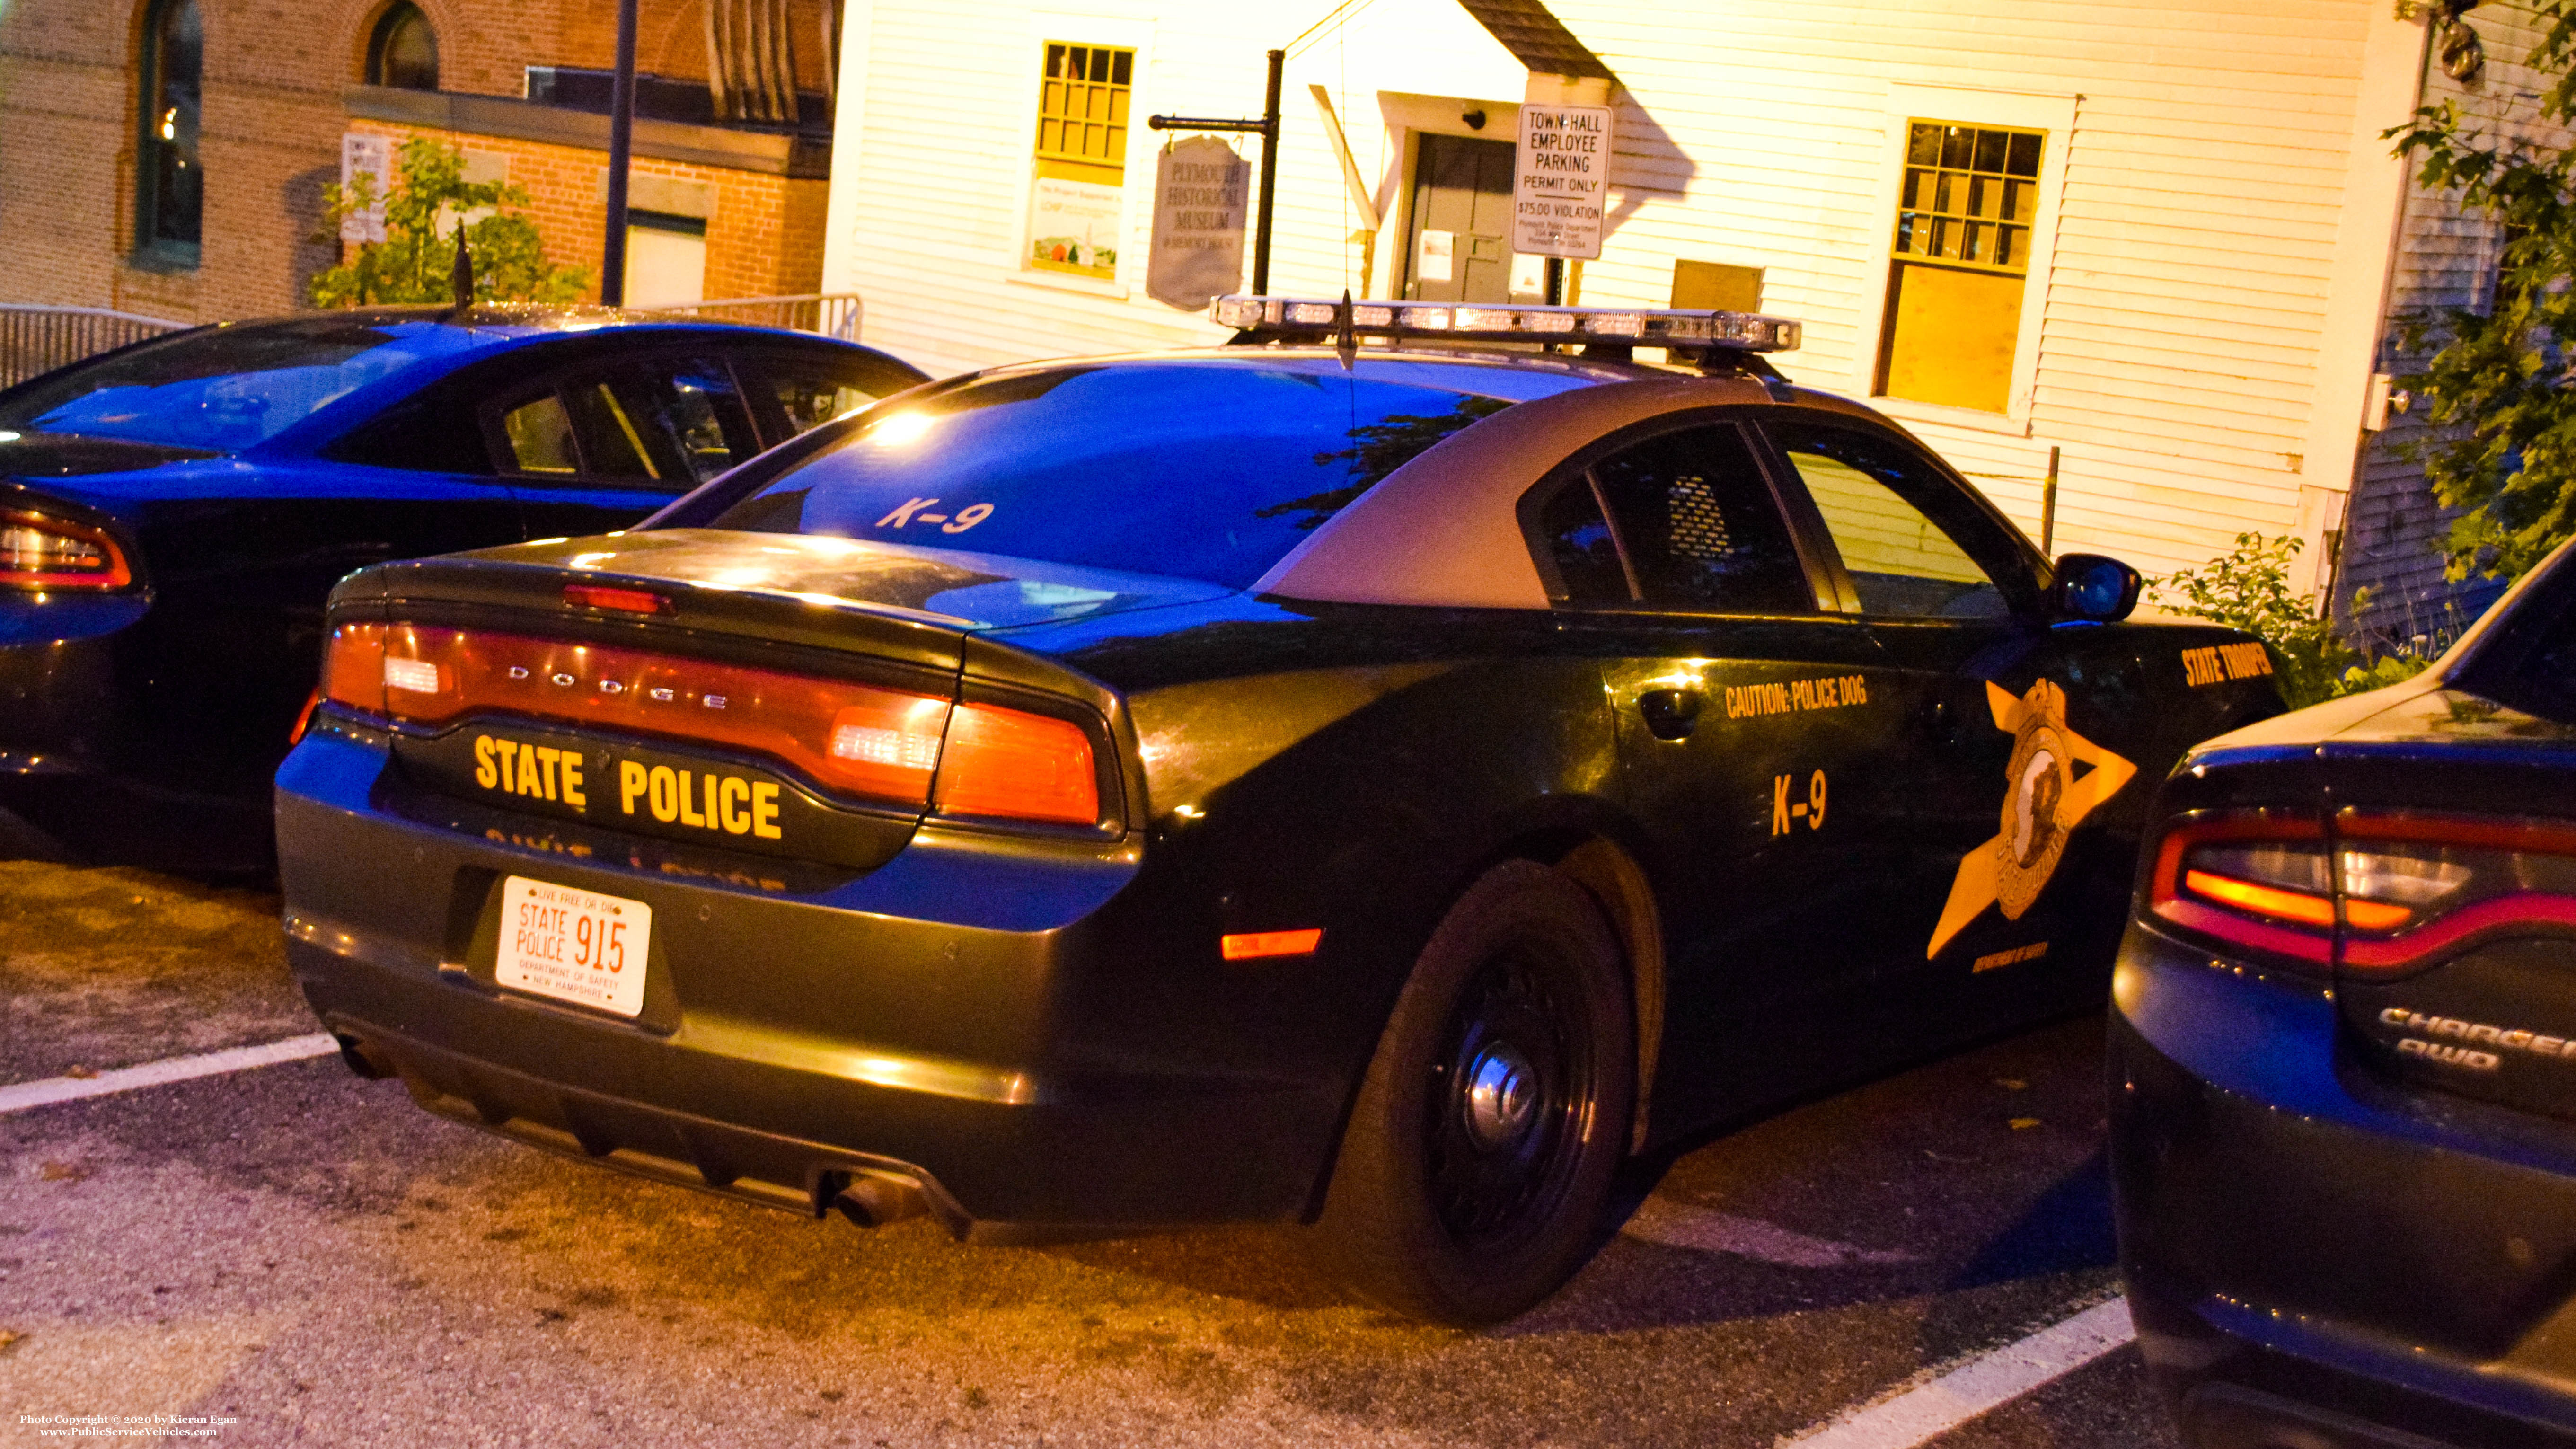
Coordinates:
<point>1682,521</point>
<point>1907,538</point>
<point>429,432</point>
<point>812,396</point>
<point>669,424</point>
<point>540,434</point>
<point>691,406</point>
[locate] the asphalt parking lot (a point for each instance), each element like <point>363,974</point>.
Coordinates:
<point>299,1257</point>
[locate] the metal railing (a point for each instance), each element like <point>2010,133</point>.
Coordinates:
<point>834,314</point>
<point>36,339</point>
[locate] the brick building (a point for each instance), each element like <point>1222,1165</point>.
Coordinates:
<point>168,157</point>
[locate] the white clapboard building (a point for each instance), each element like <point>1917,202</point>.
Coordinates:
<point>2159,242</point>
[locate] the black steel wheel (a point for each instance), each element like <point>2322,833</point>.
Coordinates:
<point>1478,1158</point>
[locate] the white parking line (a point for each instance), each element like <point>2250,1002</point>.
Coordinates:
<point>1919,1414</point>
<point>1706,1230</point>
<point>1902,1420</point>
<point>26,1096</point>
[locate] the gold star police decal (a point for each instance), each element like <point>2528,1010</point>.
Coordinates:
<point>2043,803</point>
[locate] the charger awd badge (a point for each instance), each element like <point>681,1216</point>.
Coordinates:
<point>2044,800</point>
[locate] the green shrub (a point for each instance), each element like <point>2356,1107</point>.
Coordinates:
<point>2248,588</point>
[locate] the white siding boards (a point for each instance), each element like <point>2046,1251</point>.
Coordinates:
<point>2213,258</point>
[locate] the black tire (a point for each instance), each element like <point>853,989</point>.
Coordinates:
<point>1478,1160</point>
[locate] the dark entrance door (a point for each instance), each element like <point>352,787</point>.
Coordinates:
<point>1461,247</point>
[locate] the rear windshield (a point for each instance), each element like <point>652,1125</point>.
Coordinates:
<point>1202,470</point>
<point>225,389</point>
<point>2531,665</point>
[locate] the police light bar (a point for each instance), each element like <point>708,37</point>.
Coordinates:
<point>1313,320</point>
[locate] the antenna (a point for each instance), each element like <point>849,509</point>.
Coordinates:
<point>460,278</point>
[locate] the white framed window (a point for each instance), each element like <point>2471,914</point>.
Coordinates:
<point>1082,138</point>
<point>1965,232</point>
<point>1078,193</point>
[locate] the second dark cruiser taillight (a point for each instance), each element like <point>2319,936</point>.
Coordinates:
<point>2256,880</point>
<point>2420,887</point>
<point>2383,893</point>
<point>869,741</point>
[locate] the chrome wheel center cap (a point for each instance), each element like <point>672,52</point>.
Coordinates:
<point>1501,1101</point>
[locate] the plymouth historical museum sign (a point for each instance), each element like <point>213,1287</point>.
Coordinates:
<point>1199,191</point>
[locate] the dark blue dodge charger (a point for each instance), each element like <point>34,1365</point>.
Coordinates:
<point>172,514</point>
<point>2343,1061</point>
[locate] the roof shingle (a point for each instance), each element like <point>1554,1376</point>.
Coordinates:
<point>1537,38</point>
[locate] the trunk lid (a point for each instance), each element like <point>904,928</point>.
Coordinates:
<point>604,680</point>
<point>915,605</point>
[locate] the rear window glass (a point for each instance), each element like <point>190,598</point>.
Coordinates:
<point>1201,470</point>
<point>226,389</point>
<point>2532,665</point>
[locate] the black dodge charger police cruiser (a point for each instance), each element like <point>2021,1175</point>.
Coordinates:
<point>1378,785</point>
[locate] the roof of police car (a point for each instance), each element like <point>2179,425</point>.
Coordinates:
<point>1460,364</point>
<point>1443,530</point>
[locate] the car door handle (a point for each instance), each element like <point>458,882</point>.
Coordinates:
<point>1669,713</point>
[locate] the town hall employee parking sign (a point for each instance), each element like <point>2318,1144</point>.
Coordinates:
<point>1559,173</point>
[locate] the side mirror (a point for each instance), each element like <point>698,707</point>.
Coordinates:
<point>2094,589</point>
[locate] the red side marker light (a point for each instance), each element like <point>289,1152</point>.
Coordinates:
<point>1270,943</point>
<point>600,596</point>
<point>304,719</point>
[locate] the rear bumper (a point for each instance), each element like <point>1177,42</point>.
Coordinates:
<point>76,768</point>
<point>58,678</point>
<point>2314,1258</point>
<point>943,1021</point>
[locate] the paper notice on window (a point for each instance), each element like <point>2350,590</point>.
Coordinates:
<point>1073,227</point>
<point>372,157</point>
<point>1438,259</point>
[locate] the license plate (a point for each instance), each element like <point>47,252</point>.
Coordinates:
<point>574,945</point>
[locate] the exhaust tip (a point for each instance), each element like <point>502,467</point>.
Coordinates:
<point>873,1200</point>
<point>369,1063</point>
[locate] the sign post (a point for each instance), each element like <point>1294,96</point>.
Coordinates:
<point>621,147</point>
<point>1200,187</point>
<point>1267,128</point>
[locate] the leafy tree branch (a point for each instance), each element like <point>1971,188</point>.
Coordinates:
<point>2498,397</point>
<point>429,203</point>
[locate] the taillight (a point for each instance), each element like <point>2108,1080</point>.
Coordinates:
<point>856,739</point>
<point>353,667</point>
<point>2387,893</point>
<point>39,551</point>
<point>2419,886</point>
<point>1021,766</point>
<point>631,601</point>
<point>2253,880</point>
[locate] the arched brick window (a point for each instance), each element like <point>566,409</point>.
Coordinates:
<point>403,51</point>
<point>170,179</point>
